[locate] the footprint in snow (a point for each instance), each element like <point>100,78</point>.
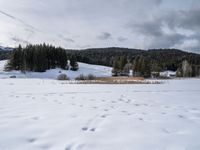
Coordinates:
<point>93,129</point>
<point>31,140</point>
<point>181,116</point>
<point>35,118</point>
<point>128,101</point>
<point>120,99</point>
<point>87,129</point>
<point>104,116</point>
<point>73,146</point>
<point>68,147</point>
<point>112,107</point>
<point>137,104</point>
<point>123,111</point>
<point>74,116</point>
<point>84,128</point>
<point>92,124</point>
<point>166,131</point>
<point>141,119</point>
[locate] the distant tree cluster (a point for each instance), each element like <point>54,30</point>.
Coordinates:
<point>144,67</point>
<point>140,66</point>
<point>4,54</point>
<point>187,69</point>
<point>121,66</point>
<point>39,58</point>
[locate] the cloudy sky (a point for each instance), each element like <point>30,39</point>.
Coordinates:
<point>143,24</point>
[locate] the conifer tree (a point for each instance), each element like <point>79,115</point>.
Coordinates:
<point>73,63</point>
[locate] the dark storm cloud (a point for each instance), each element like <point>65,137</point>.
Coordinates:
<point>184,19</point>
<point>170,30</point>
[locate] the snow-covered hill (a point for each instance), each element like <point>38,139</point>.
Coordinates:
<point>5,48</point>
<point>99,71</point>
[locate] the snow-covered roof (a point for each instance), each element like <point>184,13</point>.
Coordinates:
<point>168,73</point>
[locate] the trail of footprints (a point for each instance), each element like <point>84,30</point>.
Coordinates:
<point>94,123</point>
<point>108,108</point>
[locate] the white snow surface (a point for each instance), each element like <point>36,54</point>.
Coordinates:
<point>45,114</point>
<point>97,70</point>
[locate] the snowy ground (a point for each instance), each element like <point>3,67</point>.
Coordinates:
<point>38,114</point>
<point>97,70</point>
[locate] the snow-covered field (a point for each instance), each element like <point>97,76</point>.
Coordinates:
<point>97,70</point>
<point>38,114</point>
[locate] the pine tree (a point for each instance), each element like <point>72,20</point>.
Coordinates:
<point>116,66</point>
<point>73,63</point>
<point>136,67</point>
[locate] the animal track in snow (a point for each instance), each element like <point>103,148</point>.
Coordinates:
<point>31,140</point>
<point>93,123</point>
<point>74,146</point>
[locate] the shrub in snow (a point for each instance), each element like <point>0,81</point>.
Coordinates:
<point>62,77</point>
<point>83,77</point>
<point>80,77</point>
<point>91,77</point>
<point>13,76</point>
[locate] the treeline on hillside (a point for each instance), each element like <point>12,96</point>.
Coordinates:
<point>104,56</point>
<point>4,54</point>
<point>39,58</point>
<point>143,63</point>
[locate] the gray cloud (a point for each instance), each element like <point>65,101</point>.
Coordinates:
<point>167,41</point>
<point>104,36</point>
<point>149,28</point>
<point>19,40</point>
<point>122,39</point>
<point>69,40</point>
<point>130,23</point>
